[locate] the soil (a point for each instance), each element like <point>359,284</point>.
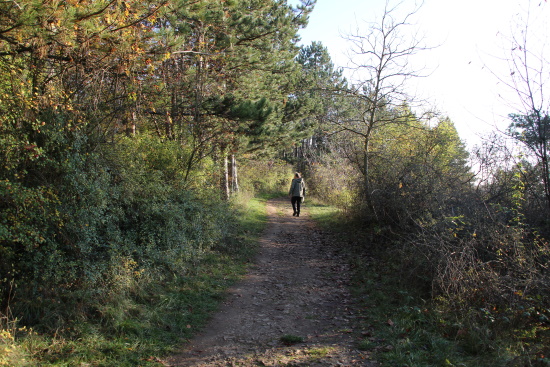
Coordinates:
<point>292,309</point>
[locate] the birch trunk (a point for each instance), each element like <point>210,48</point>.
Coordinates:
<point>234,176</point>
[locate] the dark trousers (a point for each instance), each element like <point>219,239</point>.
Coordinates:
<point>296,201</point>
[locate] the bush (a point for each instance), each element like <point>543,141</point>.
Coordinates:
<point>477,261</point>
<point>274,179</point>
<point>334,182</point>
<point>486,274</point>
<point>82,237</point>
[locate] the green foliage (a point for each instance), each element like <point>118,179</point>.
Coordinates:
<point>252,217</point>
<point>485,280</point>
<point>447,275</point>
<point>334,182</point>
<point>113,119</point>
<point>266,177</point>
<point>110,215</point>
<point>230,73</point>
<point>533,130</point>
<point>318,84</point>
<point>141,310</point>
<point>414,169</point>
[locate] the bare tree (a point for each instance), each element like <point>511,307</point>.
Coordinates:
<point>528,77</point>
<point>380,61</point>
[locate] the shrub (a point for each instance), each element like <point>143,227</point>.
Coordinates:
<point>488,275</point>
<point>100,217</point>
<point>333,182</point>
<point>275,177</point>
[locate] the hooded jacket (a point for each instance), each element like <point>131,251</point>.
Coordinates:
<point>297,187</point>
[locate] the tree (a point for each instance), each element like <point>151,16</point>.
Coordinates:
<point>226,84</point>
<point>82,60</point>
<point>528,78</point>
<point>317,94</point>
<point>69,72</point>
<point>380,61</point>
<point>416,169</point>
<point>534,132</point>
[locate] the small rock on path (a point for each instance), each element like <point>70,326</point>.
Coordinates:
<point>297,287</point>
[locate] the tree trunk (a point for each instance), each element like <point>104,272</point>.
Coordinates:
<point>225,175</point>
<point>366,171</point>
<point>168,126</point>
<point>546,177</point>
<point>368,189</point>
<point>131,125</point>
<point>234,176</point>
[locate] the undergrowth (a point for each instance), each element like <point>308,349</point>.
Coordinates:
<point>402,327</point>
<point>150,318</point>
<point>402,322</point>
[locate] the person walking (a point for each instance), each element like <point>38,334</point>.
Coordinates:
<point>297,192</point>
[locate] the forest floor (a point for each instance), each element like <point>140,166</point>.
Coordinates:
<point>293,308</point>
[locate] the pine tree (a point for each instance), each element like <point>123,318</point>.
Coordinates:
<point>227,82</point>
<point>318,95</point>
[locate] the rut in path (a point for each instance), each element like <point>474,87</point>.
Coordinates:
<point>298,287</point>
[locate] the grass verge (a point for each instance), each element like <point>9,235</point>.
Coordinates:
<point>326,216</point>
<point>158,316</point>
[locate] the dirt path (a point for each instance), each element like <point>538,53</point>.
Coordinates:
<point>297,287</point>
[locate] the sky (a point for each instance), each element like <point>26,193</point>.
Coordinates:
<point>471,42</point>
